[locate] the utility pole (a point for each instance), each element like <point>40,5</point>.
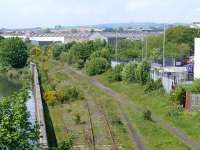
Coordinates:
<point>164,47</point>
<point>142,42</point>
<point>116,46</point>
<point>146,49</point>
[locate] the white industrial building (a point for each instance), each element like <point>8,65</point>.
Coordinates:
<point>197,59</point>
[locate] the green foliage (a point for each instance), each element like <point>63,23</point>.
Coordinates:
<point>155,45</point>
<point>68,46</point>
<point>1,38</point>
<point>67,144</point>
<point>195,87</point>
<point>116,73</point>
<point>72,93</point>
<point>147,115</point>
<point>96,66</point>
<point>77,118</point>
<point>22,74</point>
<point>71,57</point>
<point>178,95</point>
<point>104,53</point>
<point>58,48</point>
<point>182,34</point>
<point>136,72</point>
<point>79,53</point>
<point>129,50</point>
<point>153,85</point>
<point>142,72</point>
<point>13,52</point>
<point>175,111</point>
<point>16,131</point>
<point>69,94</point>
<point>178,51</point>
<point>128,72</point>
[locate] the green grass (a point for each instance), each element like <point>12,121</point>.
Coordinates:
<point>159,104</point>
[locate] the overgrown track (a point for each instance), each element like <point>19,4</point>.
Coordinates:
<point>122,100</point>
<point>133,132</point>
<point>91,127</point>
<point>100,109</point>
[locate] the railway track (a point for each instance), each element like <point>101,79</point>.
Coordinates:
<point>91,127</point>
<point>133,132</point>
<point>100,109</point>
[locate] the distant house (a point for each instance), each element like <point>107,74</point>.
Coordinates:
<point>78,36</point>
<point>195,25</point>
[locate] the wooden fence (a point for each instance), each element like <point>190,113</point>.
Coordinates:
<point>192,102</point>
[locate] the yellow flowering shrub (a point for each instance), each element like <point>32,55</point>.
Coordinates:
<point>36,51</point>
<point>53,97</point>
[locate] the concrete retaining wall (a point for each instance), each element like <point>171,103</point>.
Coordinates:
<point>39,106</point>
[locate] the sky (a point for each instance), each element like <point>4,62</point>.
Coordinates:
<point>48,13</point>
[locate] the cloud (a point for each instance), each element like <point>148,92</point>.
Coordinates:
<point>20,13</point>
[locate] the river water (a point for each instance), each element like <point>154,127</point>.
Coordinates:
<point>7,87</point>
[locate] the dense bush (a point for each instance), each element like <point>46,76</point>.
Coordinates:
<point>72,93</point>
<point>53,97</point>
<point>96,66</point>
<point>13,52</point>
<point>36,51</point>
<point>104,53</point>
<point>116,73</point>
<point>142,72</point>
<point>153,85</point>
<point>147,115</point>
<point>71,57</point>
<point>195,87</point>
<point>128,72</point>
<point>178,95</point>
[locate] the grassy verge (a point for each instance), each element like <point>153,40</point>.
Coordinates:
<point>159,104</point>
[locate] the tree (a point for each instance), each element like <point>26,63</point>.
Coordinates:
<point>96,66</point>
<point>13,52</point>
<point>16,132</point>
<point>129,72</point>
<point>57,48</point>
<point>178,51</point>
<point>182,34</point>
<point>142,72</point>
<point>129,50</point>
<point>104,53</point>
<point>1,38</point>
